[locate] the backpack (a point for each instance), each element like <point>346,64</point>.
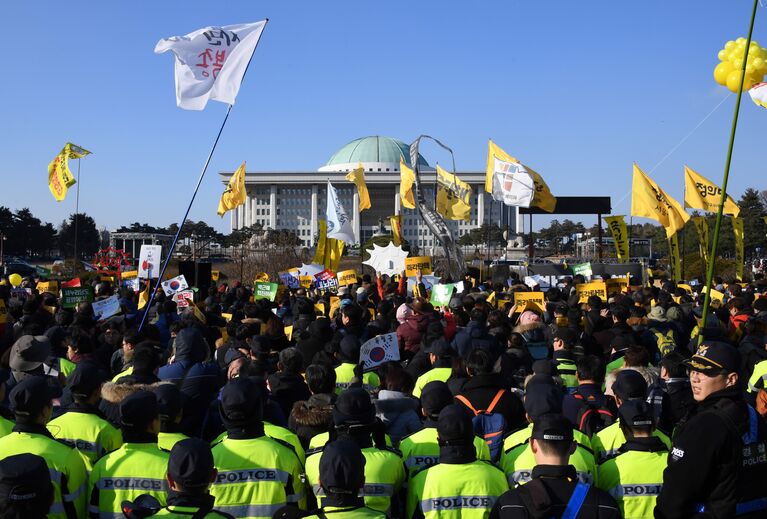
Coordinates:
<point>664,341</point>
<point>592,417</point>
<point>488,425</point>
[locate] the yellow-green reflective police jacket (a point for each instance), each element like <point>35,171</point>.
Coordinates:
<point>341,512</point>
<point>89,434</point>
<point>607,441</point>
<point>440,374</point>
<point>345,374</point>
<point>420,450</point>
<point>166,440</point>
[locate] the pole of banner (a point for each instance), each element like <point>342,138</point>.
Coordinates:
<point>183,220</point>
<point>720,211</point>
<point>77,210</point>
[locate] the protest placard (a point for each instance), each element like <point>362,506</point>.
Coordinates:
<point>533,301</point>
<point>413,264</point>
<point>149,261</point>
<point>73,296</point>
<point>595,288</point>
<point>441,294</point>
<point>105,308</point>
<point>346,277</point>
<point>265,291</point>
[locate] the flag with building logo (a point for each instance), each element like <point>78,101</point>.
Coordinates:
<point>357,177</point>
<point>737,229</point>
<point>338,222</point>
<point>211,62</point>
<point>701,193</point>
<point>235,193</point>
<point>60,178</point>
<point>407,178</point>
<point>453,196</point>
<point>674,259</point>
<point>650,201</point>
<point>617,226</point>
<point>515,184</point>
<point>701,226</point>
<point>396,229</point>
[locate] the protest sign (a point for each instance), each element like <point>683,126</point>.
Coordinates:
<point>346,277</point>
<point>617,285</point>
<point>133,284</point>
<point>290,279</point>
<point>184,299</point>
<point>595,288</point>
<point>174,285</point>
<point>306,281</point>
<point>428,282</point>
<point>413,264</point>
<point>583,269</point>
<point>379,349</point>
<point>289,332</point>
<point>149,261</point>
<point>71,283</point>
<point>48,286</point>
<point>441,294</point>
<point>129,274</point>
<point>105,308</point>
<point>529,301</point>
<point>327,284</point>
<point>73,296</point>
<point>265,291</point>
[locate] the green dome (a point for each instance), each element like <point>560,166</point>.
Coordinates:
<point>372,150</point>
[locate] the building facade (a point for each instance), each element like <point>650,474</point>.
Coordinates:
<point>296,201</point>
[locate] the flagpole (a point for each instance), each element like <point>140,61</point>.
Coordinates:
<point>183,220</point>
<point>77,208</point>
<point>723,197</point>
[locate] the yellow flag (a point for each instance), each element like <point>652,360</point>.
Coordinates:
<point>674,259</point>
<point>60,179</point>
<point>143,297</point>
<point>701,193</point>
<point>618,229</point>
<point>453,196</point>
<point>234,194</point>
<point>334,251</point>
<point>543,197</point>
<point>737,228</point>
<point>650,201</point>
<point>396,229</point>
<point>357,177</point>
<point>319,254</point>
<point>701,226</point>
<point>407,177</point>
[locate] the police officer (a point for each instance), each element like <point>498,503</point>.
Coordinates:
<point>555,490</point>
<point>82,426</point>
<point>25,486</point>
<point>629,385</point>
<point>349,355</point>
<point>190,473</point>
<point>256,474</point>
<point>138,467</point>
<point>170,407</point>
<point>563,342</point>
<point>706,457</point>
<point>440,355</point>
<point>459,485</point>
<point>421,449</point>
<point>354,418</point>
<point>518,458</point>
<point>634,474</point>
<point>31,403</point>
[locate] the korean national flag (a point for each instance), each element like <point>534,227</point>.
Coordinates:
<point>174,285</point>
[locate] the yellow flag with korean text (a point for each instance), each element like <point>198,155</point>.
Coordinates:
<point>542,197</point>
<point>737,229</point>
<point>701,193</point>
<point>407,178</point>
<point>617,226</point>
<point>357,177</point>
<point>60,178</point>
<point>650,201</point>
<point>453,196</point>
<point>396,229</point>
<point>675,261</point>
<point>701,226</point>
<point>235,194</point>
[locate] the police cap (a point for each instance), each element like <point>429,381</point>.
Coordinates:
<point>85,379</point>
<point>242,400</point>
<point>342,467</point>
<point>543,399</point>
<point>138,410</point>
<point>715,357</point>
<point>552,427</point>
<point>30,396</point>
<point>635,413</point>
<point>435,396</point>
<point>629,384</point>
<point>169,401</point>
<point>24,477</point>
<point>190,463</point>
<point>354,407</point>
<point>454,426</point>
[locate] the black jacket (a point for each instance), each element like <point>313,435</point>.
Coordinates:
<point>705,459</point>
<point>480,391</point>
<point>546,496</point>
<point>287,389</point>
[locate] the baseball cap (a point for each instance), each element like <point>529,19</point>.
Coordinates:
<point>714,357</point>
<point>30,396</point>
<point>85,379</point>
<point>635,413</point>
<point>242,400</point>
<point>435,396</point>
<point>169,401</point>
<point>354,407</point>
<point>191,463</point>
<point>350,348</point>
<point>138,410</point>
<point>552,427</point>
<point>24,477</point>
<point>29,352</point>
<point>342,467</point>
<point>440,348</point>
<point>454,426</point>
<point>543,399</point>
<point>629,384</point>
<point>565,334</point>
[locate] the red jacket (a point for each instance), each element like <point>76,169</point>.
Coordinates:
<point>410,332</point>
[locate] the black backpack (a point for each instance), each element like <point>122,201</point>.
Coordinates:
<point>593,417</point>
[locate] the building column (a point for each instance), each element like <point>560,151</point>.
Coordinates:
<point>356,216</point>
<point>315,224</point>
<point>273,206</point>
<point>248,210</point>
<point>397,202</point>
<point>481,206</point>
<point>232,220</point>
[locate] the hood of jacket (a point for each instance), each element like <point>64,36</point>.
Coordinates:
<point>394,402</point>
<point>115,393</point>
<point>190,346</point>
<point>315,412</point>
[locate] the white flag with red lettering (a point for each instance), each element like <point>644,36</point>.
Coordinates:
<point>211,62</point>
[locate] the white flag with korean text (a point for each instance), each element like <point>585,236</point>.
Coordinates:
<point>211,62</point>
<point>339,224</point>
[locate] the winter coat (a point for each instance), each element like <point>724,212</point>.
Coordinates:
<point>480,390</point>
<point>112,394</point>
<point>314,339</point>
<point>311,417</point>
<point>410,332</point>
<point>399,414</point>
<point>287,389</point>
<point>475,336</point>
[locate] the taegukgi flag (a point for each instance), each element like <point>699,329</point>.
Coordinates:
<point>211,62</point>
<point>338,222</point>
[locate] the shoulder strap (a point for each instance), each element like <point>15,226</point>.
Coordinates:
<point>576,501</point>
<point>465,401</point>
<point>495,401</point>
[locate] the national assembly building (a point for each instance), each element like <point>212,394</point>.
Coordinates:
<point>296,200</point>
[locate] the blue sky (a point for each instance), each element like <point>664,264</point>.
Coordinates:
<point>577,90</point>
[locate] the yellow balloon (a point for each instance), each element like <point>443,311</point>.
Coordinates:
<point>15,280</point>
<point>722,55</point>
<point>741,41</point>
<point>729,45</point>
<point>722,71</point>
<point>750,71</point>
<point>733,80</point>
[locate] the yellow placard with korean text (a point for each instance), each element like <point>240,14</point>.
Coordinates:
<point>129,274</point>
<point>413,264</point>
<point>306,281</point>
<point>346,277</point>
<point>48,286</point>
<point>620,285</point>
<point>533,301</point>
<point>595,288</point>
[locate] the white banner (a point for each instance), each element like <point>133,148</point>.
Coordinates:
<point>379,349</point>
<point>512,184</point>
<point>106,307</point>
<point>339,224</point>
<point>174,285</point>
<point>211,62</point>
<point>149,261</point>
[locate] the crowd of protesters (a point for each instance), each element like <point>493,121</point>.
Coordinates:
<point>631,407</point>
